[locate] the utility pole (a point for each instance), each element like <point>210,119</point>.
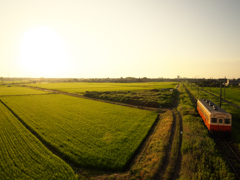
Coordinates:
<point>220,93</point>
<point>224,86</point>
<point>198,90</point>
<point>210,84</point>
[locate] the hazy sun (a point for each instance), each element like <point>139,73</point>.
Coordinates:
<point>42,53</point>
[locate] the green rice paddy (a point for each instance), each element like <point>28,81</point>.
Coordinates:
<point>88,133</point>
<point>83,87</point>
<point>16,90</point>
<point>22,156</point>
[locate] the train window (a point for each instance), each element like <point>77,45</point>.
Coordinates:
<point>220,121</point>
<point>227,121</point>
<point>214,120</point>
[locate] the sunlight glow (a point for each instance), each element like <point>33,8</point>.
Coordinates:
<point>42,53</point>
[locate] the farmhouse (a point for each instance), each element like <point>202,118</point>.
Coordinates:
<point>232,82</point>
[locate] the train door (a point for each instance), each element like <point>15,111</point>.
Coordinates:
<point>220,124</point>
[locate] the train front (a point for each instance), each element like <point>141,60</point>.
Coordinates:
<point>221,122</point>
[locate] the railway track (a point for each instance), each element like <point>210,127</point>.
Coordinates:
<point>227,150</point>
<point>193,99</point>
<point>230,155</point>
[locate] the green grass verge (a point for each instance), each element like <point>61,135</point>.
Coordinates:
<point>88,133</point>
<point>83,87</point>
<point>22,156</point>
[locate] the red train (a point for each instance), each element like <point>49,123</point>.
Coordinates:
<point>214,117</point>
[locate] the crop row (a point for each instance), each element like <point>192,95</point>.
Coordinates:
<point>88,133</point>
<point>22,156</point>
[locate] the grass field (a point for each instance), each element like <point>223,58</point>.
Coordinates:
<point>16,90</point>
<point>88,133</point>
<point>22,156</point>
<point>83,87</point>
<point>231,94</point>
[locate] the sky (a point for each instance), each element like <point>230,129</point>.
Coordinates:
<point>127,38</point>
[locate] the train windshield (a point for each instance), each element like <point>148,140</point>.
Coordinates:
<point>220,121</point>
<point>214,120</point>
<point>227,121</point>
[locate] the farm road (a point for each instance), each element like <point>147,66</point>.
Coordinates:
<point>166,162</point>
<point>179,158</point>
<point>162,173</point>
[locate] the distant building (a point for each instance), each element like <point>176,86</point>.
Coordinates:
<point>232,82</point>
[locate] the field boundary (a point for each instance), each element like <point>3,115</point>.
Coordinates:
<point>143,144</point>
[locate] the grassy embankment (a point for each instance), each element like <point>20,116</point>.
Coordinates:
<point>23,156</point>
<point>200,157</point>
<point>149,98</point>
<point>81,87</point>
<point>88,133</point>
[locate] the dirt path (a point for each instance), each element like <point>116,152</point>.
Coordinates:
<point>166,160</point>
<point>162,171</point>
<point>179,158</point>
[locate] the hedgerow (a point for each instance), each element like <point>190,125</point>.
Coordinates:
<point>150,98</point>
